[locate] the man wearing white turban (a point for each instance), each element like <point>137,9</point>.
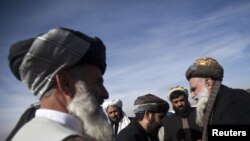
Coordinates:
<point>116,115</point>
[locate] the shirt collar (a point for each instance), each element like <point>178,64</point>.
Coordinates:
<point>63,118</point>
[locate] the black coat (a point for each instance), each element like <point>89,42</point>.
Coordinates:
<point>134,132</point>
<point>173,130</point>
<point>232,106</point>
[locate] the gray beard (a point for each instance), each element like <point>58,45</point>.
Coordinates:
<point>201,106</point>
<point>84,106</point>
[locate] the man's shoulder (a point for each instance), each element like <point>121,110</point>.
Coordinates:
<point>130,133</point>
<point>32,129</point>
<point>125,134</point>
<point>131,129</point>
<point>75,138</point>
<point>128,128</point>
<point>170,116</point>
<point>233,94</point>
<point>233,90</point>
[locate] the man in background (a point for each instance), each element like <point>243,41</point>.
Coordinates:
<point>149,114</point>
<point>181,125</point>
<point>117,117</point>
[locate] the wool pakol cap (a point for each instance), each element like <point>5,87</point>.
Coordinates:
<point>150,102</point>
<point>205,67</point>
<point>175,89</point>
<point>55,50</point>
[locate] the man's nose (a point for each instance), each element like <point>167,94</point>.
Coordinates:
<point>113,115</point>
<point>178,103</point>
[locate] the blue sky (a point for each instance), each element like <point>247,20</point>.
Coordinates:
<point>150,44</point>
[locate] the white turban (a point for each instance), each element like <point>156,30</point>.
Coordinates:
<point>114,102</point>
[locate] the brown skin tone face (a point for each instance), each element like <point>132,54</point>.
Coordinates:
<point>94,81</point>
<point>179,103</point>
<point>65,88</point>
<point>114,114</point>
<point>195,87</point>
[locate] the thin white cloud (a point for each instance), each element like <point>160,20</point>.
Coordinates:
<point>162,63</point>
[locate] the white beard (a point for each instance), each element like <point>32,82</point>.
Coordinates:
<point>201,105</point>
<point>84,106</point>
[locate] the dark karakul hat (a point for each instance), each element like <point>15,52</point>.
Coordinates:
<point>150,102</point>
<point>48,53</point>
<point>205,67</point>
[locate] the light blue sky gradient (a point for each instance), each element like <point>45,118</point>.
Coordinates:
<point>150,44</point>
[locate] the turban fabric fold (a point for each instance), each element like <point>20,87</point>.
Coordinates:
<point>150,102</point>
<point>205,67</point>
<point>177,89</point>
<point>114,102</point>
<point>17,52</point>
<point>51,52</point>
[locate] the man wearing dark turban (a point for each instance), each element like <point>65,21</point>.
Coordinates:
<point>64,69</point>
<point>149,113</point>
<point>217,104</point>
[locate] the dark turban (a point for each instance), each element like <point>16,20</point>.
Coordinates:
<point>43,56</point>
<point>17,52</point>
<point>205,67</point>
<point>150,102</point>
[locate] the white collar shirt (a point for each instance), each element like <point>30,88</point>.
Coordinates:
<point>63,118</point>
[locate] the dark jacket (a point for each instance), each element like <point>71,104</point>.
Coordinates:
<point>173,130</point>
<point>134,132</point>
<point>232,106</point>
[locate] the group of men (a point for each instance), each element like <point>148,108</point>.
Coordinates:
<point>64,69</point>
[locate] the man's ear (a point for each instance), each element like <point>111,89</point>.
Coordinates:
<point>209,83</point>
<point>65,83</point>
<point>147,115</point>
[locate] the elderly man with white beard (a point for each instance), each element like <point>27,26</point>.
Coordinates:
<point>217,103</point>
<point>64,69</point>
